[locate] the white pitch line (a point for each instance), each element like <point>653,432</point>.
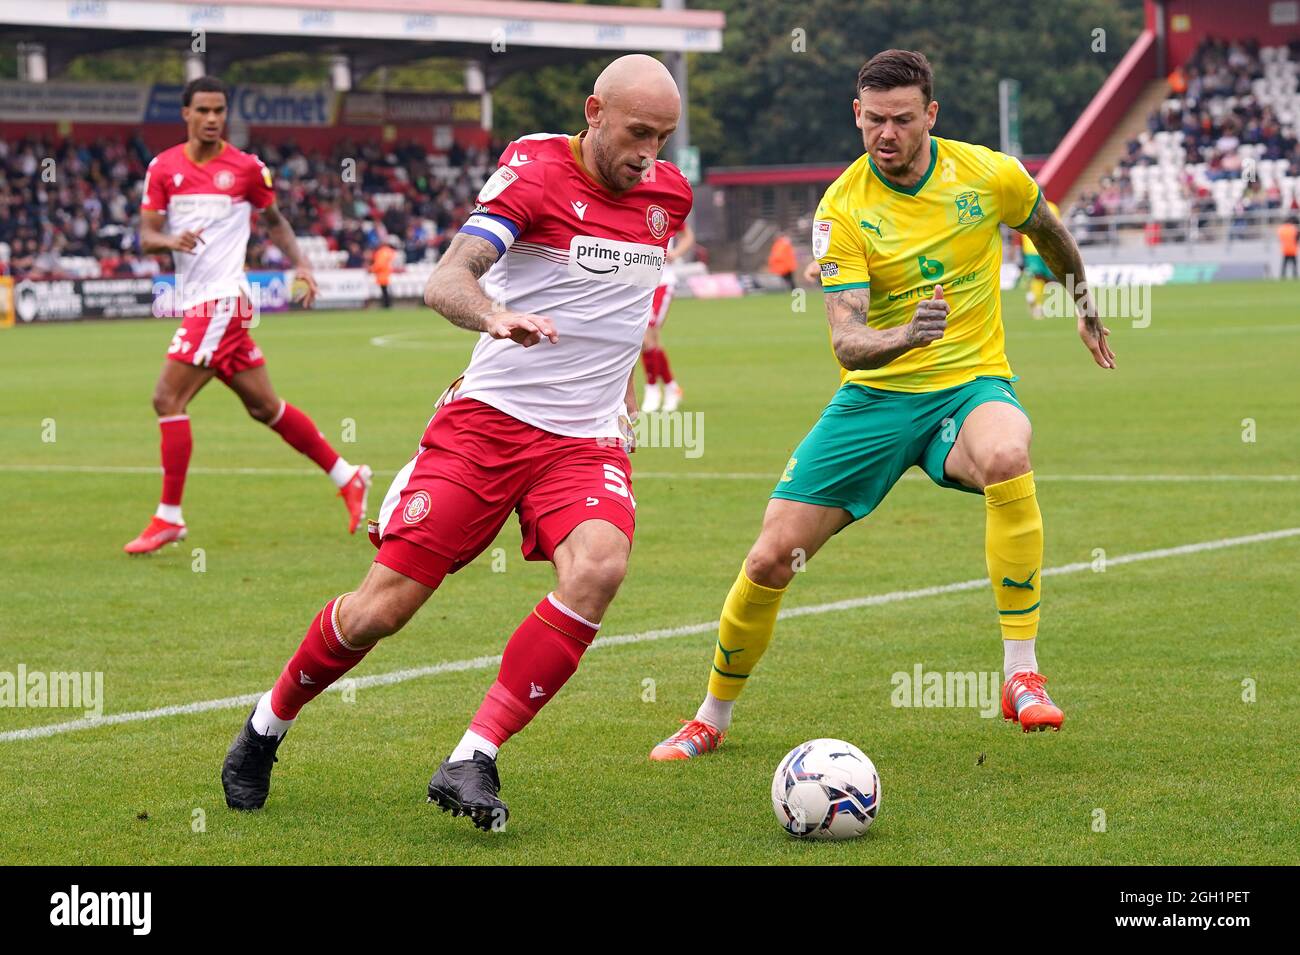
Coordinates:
<point>653,475</point>
<point>646,636</point>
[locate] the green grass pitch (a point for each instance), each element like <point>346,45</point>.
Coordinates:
<point>1148,659</point>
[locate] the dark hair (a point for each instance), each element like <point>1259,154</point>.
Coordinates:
<point>203,84</point>
<point>894,68</point>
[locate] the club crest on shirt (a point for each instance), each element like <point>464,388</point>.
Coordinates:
<point>968,207</point>
<point>417,508</point>
<point>657,221</point>
<point>225,179</point>
<point>176,179</point>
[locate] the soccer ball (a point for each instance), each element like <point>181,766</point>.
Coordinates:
<point>826,789</point>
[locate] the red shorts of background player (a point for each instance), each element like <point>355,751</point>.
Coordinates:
<point>476,465</point>
<point>215,335</point>
<point>663,297</point>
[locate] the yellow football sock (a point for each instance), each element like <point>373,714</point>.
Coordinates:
<point>748,619</point>
<point>1013,545</point>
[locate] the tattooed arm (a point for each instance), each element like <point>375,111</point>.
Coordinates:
<point>1059,251</point>
<point>858,346</point>
<point>453,291</point>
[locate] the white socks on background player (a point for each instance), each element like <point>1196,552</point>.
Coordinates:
<point>265,722</point>
<point>473,741</point>
<point>171,513</point>
<point>1018,657</point>
<point>715,712</point>
<point>342,472</point>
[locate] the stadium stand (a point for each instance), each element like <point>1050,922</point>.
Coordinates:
<point>77,216</point>
<point>1223,143</point>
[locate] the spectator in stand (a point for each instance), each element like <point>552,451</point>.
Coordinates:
<point>96,187</point>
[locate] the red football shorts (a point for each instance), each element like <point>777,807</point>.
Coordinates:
<point>663,297</point>
<point>215,335</point>
<point>477,464</point>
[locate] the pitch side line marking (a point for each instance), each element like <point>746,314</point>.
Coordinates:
<point>650,475</point>
<point>483,663</point>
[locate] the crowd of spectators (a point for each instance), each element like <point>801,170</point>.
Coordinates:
<point>1231,117</point>
<point>71,210</point>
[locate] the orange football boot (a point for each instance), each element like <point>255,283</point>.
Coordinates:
<point>693,739</point>
<point>1024,701</point>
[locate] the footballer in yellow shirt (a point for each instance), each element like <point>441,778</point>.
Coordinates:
<point>910,252</point>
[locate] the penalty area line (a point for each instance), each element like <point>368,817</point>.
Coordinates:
<point>645,636</point>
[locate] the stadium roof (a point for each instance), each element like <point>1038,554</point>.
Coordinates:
<point>373,33</point>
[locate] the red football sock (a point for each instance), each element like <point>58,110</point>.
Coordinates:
<point>539,659</point>
<point>321,658</point>
<point>665,372</point>
<point>301,433</point>
<point>651,366</point>
<point>177,443</point>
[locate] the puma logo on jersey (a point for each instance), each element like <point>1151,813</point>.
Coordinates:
<point>519,159</point>
<point>580,208</point>
<point>535,691</point>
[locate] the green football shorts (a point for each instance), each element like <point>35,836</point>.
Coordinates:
<point>1034,265</point>
<point>867,437</point>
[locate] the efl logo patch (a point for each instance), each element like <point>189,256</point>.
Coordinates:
<point>502,178</point>
<point>968,208</point>
<point>657,221</point>
<point>224,179</point>
<point>821,237</point>
<point>417,508</point>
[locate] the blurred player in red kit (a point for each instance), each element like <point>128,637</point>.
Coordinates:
<point>206,190</point>
<point>569,238</point>
<point>662,393</point>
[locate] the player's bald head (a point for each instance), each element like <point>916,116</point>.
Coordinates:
<point>632,110</point>
<point>637,78</point>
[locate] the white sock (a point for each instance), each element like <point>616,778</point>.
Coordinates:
<point>715,712</point>
<point>1018,657</point>
<point>342,472</point>
<point>266,722</point>
<point>472,741</point>
<point>171,513</point>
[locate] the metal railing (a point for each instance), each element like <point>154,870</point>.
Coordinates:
<point>1196,228</point>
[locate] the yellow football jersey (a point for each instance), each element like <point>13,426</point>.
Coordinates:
<point>902,242</point>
